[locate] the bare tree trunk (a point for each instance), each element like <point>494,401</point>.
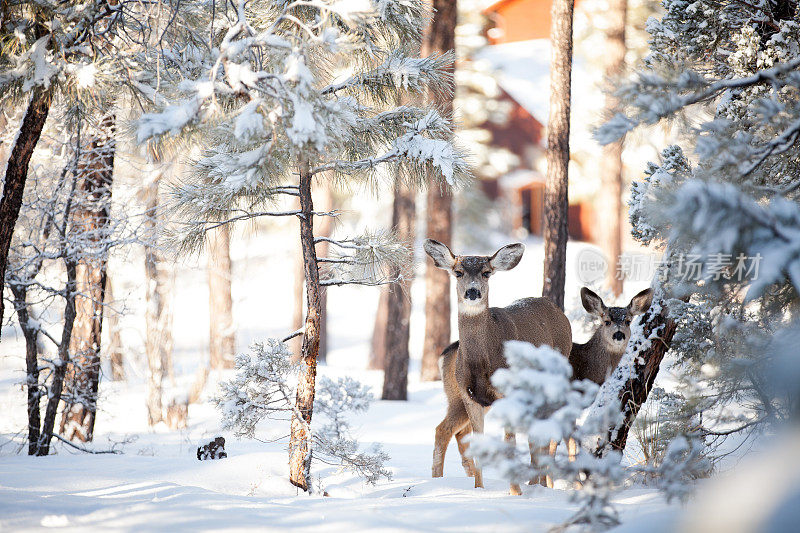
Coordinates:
<point>158,314</point>
<point>114,348</point>
<point>647,360</point>
<point>611,165</point>
<point>395,378</point>
<point>90,225</point>
<point>300,439</point>
<point>556,203</point>
<point>60,370</point>
<point>439,38</point>
<point>31,365</point>
<point>377,356</point>
<point>222,338</point>
<point>17,172</point>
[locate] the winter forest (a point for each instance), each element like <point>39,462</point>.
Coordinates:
<point>202,199</point>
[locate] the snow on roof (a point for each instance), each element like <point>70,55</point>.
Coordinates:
<point>523,71</point>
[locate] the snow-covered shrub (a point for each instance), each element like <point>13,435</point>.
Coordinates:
<point>541,401</point>
<point>264,387</point>
<point>655,426</point>
<point>333,439</point>
<point>684,461</point>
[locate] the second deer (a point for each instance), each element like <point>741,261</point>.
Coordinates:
<point>600,356</point>
<point>468,365</point>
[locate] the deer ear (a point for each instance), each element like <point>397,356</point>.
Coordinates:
<point>641,302</point>
<point>592,302</point>
<point>440,253</point>
<point>507,257</point>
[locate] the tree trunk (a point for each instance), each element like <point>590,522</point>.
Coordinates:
<point>31,365</point>
<point>300,440</point>
<point>439,38</point>
<point>114,349</point>
<point>17,172</point>
<point>222,338</point>
<point>611,164</point>
<point>556,203</point>
<point>60,370</point>
<point>158,315</point>
<point>377,356</point>
<point>90,226</point>
<point>395,378</point>
<point>647,360</point>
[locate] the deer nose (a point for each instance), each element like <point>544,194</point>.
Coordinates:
<point>472,294</point>
<point>618,336</point>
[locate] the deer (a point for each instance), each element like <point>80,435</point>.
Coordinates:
<point>468,364</point>
<point>597,358</point>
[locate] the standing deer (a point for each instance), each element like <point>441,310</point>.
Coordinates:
<point>468,364</point>
<point>596,359</point>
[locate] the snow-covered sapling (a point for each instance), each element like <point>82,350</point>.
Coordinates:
<point>541,400</point>
<point>264,388</point>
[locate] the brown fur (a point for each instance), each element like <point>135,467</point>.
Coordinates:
<point>468,365</point>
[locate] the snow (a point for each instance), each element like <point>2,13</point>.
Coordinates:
<point>157,483</point>
<point>305,128</point>
<point>35,64</point>
<point>85,74</point>
<point>171,120</point>
<point>249,123</point>
<point>439,152</point>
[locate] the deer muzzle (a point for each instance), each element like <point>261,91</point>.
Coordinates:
<point>472,294</point>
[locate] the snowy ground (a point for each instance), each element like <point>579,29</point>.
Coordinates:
<point>158,484</point>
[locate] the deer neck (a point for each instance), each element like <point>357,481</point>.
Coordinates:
<point>474,332</point>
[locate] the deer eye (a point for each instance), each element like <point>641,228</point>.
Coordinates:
<point>627,322</point>
<point>486,274</point>
<point>458,273</point>
<point>608,322</point>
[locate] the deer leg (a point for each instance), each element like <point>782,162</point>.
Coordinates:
<point>572,452</point>
<point>466,462</point>
<point>543,480</point>
<point>455,419</point>
<point>572,448</point>
<point>476,412</point>
<point>552,452</point>
<point>511,438</point>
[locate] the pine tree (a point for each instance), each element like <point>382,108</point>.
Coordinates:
<point>556,203</point>
<point>300,92</point>
<point>611,164</point>
<point>439,39</point>
<point>222,335</point>
<point>90,226</point>
<point>724,214</point>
